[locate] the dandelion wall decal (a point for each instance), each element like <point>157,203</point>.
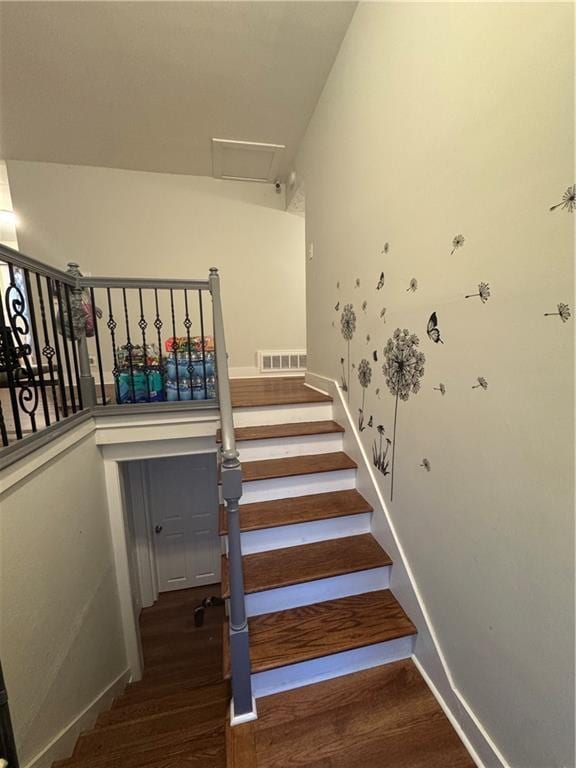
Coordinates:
<point>568,200</point>
<point>483,293</point>
<point>381,282</point>
<point>347,327</point>
<point>403,369</point>
<point>413,285</point>
<point>426,465</point>
<point>380,452</point>
<point>457,242</point>
<point>364,305</point>
<point>432,329</point>
<point>440,388</point>
<point>364,378</point>
<point>481,383</point>
<point>563,312</point>
<point>343,383</point>
<point>383,314</point>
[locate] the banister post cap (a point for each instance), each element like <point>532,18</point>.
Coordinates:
<point>213,270</point>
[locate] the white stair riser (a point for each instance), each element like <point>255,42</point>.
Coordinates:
<point>267,539</point>
<point>299,485</point>
<point>282,414</point>
<point>328,667</point>
<point>279,447</point>
<point>318,591</point>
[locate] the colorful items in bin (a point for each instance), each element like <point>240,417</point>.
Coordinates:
<point>139,387</point>
<point>181,345</point>
<point>137,355</point>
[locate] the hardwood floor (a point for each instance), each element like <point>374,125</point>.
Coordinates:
<point>276,390</point>
<point>297,429</point>
<point>175,716</point>
<point>291,466</point>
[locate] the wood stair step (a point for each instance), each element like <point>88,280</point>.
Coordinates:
<point>291,466</point>
<point>143,694</point>
<point>312,631</point>
<point>299,509</point>
<point>295,429</point>
<point>122,736</point>
<point>274,390</point>
<point>308,562</point>
<point>146,707</point>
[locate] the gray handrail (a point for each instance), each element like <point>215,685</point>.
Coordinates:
<point>86,281</point>
<point>243,707</point>
<point>18,259</point>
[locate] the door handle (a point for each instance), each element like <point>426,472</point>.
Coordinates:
<point>158,529</point>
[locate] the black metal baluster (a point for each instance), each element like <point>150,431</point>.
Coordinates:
<point>48,350</point>
<point>174,343</point>
<point>203,343</point>
<point>65,345</point>
<point>36,346</point>
<point>129,346</point>
<point>53,294</point>
<point>142,324</point>
<point>188,325</point>
<point>8,363</point>
<point>7,742</point>
<point>112,325</point>
<point>24,378</point>
<point>158,325</point>
<point>3,430</point>
<point>98,350</point>
<point>74,349</point>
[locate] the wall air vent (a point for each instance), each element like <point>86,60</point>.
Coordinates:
<point>245,160</point>
<point>282,361</point>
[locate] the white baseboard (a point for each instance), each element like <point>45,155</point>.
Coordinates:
<point>428,654</point>
<point>63,743</point>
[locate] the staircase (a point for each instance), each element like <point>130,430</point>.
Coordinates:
<point>330,646</point>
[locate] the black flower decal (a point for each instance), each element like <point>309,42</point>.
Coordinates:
<point>426,465</point>
<point>364,377</point>
<point>343,383</point>
<point>563,312</point>
<point>380,450</point>
<point>403,369</point>
<point>483,293</point>
<point>481,383</point>
<point>457,242</point>
<point>568,200</point>
<point>347,327</point>
<point>413,287</point>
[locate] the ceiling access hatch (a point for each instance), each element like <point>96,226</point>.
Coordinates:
<point>245,160</point>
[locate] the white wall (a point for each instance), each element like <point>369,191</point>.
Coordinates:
<point>61,640</point>
<point>440,119</point>
<point>116,222</point>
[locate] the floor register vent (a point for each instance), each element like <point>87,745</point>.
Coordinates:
<point>282,361</point>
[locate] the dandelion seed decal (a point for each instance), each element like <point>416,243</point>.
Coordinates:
<point>347,327</point>
<point>403,368</point>
<point>377,392</point>
<point>367,338</point>
<point>481,383</point>
<point>338,285</point>
<point>563,312</point>
<point>364,305</point>
<point>426,465</point>
<point>375,356</point>
<point>357,283</point>
<point>381,282</point>
<point>383,314</point>
<point>380,452</point>
<point>386,248</point>
<point>568,200</point>
<point>343,377</point>
<point>413,285</point>
<point>333,324</point>
<point>483,293</point>
<point>440,388</point>
<point>371,421</point>
<point>364,378</point>
<point>457,242</point>
<point>337,307</point>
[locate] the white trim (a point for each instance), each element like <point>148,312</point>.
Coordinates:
<point>403,584</point>
<point>246,718</point>
<point>62,745</point>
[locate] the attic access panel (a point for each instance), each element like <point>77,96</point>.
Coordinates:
<point>245,160</point>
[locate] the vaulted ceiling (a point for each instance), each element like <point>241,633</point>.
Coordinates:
<point>146,85</point>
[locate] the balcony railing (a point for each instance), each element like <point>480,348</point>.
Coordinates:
<point>70,343</point>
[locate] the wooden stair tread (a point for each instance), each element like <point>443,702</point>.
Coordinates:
<point>311,631</point>
<point>299,509</point>
<point>384,714</point>
<point>270,391</point>
<point>294,429</point>
<point>290,466</point>
<point>308,562</point>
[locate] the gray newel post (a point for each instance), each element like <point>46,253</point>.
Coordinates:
<point>87,383</point>
<point>231,476</point>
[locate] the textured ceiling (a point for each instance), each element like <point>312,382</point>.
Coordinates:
<point>146,85</point>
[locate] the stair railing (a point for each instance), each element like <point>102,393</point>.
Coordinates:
<point>243,707</point>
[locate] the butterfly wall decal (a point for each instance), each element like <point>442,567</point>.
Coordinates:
<point>432,329</point>
<point>380,282</point>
